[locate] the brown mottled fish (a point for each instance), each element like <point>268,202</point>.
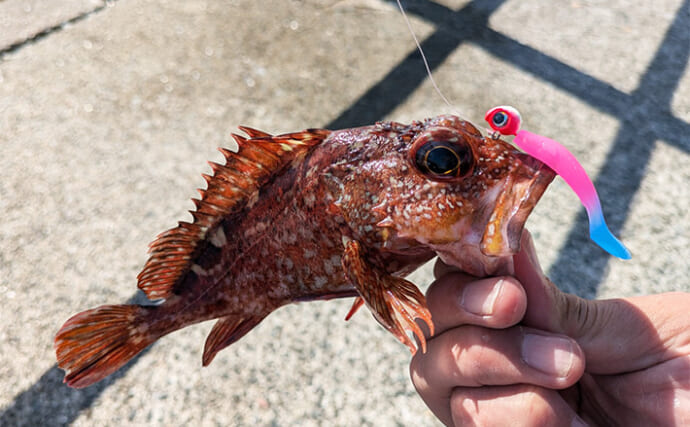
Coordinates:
<point>315,215</point>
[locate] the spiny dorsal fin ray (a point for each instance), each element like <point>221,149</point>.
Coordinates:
<point>254,133</point>
<point>232,185</point>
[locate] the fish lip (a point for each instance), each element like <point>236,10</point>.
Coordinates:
<point>520,195</point>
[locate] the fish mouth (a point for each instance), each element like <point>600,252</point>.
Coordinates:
<point>518,197</point>
<point>495,232</point>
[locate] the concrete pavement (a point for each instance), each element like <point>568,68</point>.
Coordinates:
<point>109,111</point>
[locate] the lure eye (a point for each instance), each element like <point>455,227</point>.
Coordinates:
<point>499,119</point>
<point>504,119</point>
<point>442,155</point>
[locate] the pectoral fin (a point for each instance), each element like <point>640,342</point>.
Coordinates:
<point>394,301</point>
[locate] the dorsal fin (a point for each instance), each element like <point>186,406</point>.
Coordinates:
<point>229,190</point>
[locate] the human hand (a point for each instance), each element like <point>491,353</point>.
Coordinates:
<point>518,351</point>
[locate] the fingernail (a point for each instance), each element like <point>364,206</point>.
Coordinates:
<point>551,355</point>
<point>476,301</point>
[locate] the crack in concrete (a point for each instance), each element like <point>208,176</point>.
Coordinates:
<point>35,38</point>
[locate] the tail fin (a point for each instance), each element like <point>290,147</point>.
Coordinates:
<point>95,343</point>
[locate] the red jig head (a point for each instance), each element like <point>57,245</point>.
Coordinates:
<point>504,119</point>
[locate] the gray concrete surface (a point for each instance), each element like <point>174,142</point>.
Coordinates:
<point>106,123</point>
<point>23,20</point>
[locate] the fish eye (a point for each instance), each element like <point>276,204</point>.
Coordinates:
<point>442,157</point>
<point>500,119</point>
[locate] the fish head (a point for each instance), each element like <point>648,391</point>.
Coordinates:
<point>446,187</point>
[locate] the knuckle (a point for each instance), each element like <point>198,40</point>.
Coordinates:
<point>417,376</point>
<point>578,315</point>
<point>471,352</point>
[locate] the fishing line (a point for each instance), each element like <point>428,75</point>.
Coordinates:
<point>426,63</point>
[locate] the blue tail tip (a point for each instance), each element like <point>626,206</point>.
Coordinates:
<point>608,242</point>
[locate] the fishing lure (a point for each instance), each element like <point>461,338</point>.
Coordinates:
<point>506,121</point>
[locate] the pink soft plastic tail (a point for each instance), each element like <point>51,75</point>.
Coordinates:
<point>564,163</point>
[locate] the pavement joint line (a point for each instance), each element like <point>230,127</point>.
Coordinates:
<point>35,38</point>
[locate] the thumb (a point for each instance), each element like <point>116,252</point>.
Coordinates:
<point>616,335</point>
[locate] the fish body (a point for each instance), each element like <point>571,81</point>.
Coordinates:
<point>316,215</point>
